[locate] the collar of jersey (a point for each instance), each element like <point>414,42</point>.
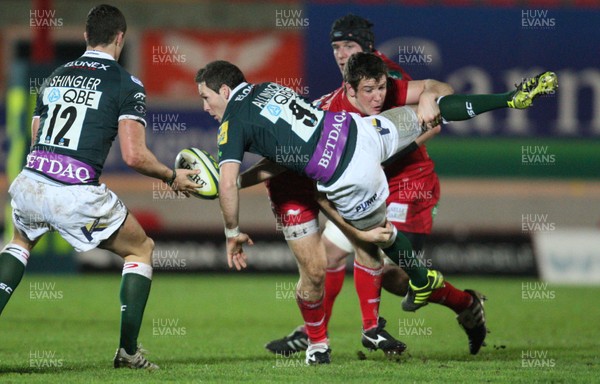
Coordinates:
<point>98,55</point>
<point>234,90</point>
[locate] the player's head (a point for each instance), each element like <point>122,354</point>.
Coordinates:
<point>365,78</point>
<point>215,83</point>
<point>105,25</point>
<point>350,34</point>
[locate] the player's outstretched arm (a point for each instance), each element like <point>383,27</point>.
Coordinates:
<point>258,173</point>
<point>229,202</point>
<point>132,138</point>
<point>429,89</point>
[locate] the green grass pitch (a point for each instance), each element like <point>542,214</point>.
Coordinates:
<point>212,328</point>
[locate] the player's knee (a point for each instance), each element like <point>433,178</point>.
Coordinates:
<point>334,262</point>
<point>336,257</point>
<point>318,275</point>
<point>149,244</point>
<point>317,284</point>
<point>147,249</point>
<point>315,276</point>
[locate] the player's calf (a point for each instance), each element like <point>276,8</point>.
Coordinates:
<point>13,260</point>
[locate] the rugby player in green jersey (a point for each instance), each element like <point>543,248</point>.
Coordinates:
<point>81,108</point>
<point>267,120</point>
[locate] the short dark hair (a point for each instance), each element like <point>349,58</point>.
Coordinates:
<point>103,24</point>
<point>220,72</point>
<point>354,28</point>
<point>362,65</point>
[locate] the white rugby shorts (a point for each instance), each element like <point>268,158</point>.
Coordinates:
<point>363,187</point>
<point>84,215</point>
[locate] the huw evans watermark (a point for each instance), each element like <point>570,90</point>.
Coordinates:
<point>44,19</point>
<point>537,19</point>
<point>536,222</point>
<point>536,359</point>
<point>536,291</point>
<point>167,54</point>
<point>537,155</point>
<point>414,55</point>
<point>290,18</point>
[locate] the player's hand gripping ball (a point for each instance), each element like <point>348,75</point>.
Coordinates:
<point>208,178</point>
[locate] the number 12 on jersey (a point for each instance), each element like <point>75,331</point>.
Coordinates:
<point>67,108</point>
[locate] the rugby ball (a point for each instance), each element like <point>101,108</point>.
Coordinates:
<point>208,178</point>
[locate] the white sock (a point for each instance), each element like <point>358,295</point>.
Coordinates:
<point>139,268</point>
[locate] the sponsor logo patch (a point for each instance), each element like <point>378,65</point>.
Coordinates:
<point>222,137</point>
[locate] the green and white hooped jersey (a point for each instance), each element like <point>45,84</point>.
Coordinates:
<point>79,107</point>
<point>275,122</point>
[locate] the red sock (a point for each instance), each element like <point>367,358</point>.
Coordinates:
<point>368,288</point>
<point>451,297</point>
<point>334,279</point>
<point>313,313</point>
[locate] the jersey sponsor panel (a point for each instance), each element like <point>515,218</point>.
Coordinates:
<point>62,168</point>
<point>330,148</point>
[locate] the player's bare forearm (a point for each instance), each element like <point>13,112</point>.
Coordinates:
<point>136,155</point>
<point>332,214</point>
<point>375,235</point>
<point>437,89</point>
<point>145,163</point>
<point>229,201</point>
<point>259,172</point>
<point>132,138</point>
<point>430,88</point>
<point>228,194</point>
